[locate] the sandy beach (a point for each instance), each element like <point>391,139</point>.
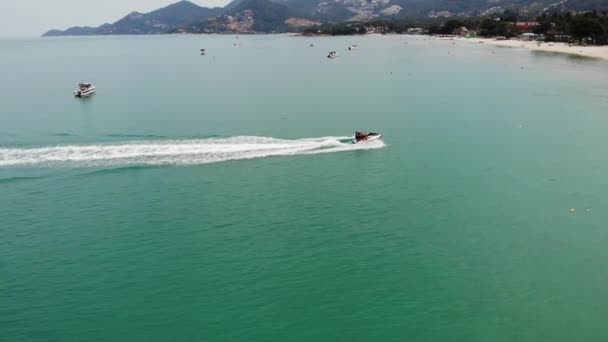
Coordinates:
<point>585,51</point>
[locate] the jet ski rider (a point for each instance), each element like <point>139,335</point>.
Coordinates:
<point>361,136</point>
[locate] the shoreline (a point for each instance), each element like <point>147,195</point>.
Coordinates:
<point>595,52</point>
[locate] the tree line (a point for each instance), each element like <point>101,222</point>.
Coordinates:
<point>590,27</point>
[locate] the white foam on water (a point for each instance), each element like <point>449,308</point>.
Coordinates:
<point>175,152</point>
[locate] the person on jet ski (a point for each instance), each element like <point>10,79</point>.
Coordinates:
<point>361,136</point>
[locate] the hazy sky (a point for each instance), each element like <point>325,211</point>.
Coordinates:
<point>34,17</point>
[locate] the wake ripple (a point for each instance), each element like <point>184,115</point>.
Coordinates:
<point>16,179</point>
<point>175,152</point>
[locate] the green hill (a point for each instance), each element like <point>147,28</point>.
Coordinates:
<point>270,15</point>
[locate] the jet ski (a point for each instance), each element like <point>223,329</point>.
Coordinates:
<point>366,137</point>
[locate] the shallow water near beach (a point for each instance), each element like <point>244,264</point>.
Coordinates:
<point>219,198</point>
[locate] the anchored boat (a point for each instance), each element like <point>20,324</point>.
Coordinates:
<point>333,54</point>
<point>84,89</point>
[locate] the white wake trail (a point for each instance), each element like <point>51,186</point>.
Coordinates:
<point>175,152</point>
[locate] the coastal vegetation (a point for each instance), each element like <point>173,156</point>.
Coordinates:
<point>589,28</point>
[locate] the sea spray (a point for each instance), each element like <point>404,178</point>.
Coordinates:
<point>174,152</point>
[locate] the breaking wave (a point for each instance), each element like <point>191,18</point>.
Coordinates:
<point>175,152</point>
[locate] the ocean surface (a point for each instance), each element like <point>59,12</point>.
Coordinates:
<point>217,197</point>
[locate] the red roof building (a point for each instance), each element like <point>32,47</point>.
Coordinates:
<point>526,25</point>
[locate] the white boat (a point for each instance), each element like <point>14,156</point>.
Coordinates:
<point>84,89</point>
<point>333,54</point>
<point>353,47</point>
<point>362,137</point>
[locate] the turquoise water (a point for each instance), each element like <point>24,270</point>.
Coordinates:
<point>216,197</point>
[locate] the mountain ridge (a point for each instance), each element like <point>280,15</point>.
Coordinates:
<point>253,16</point>
<point>159,21</point>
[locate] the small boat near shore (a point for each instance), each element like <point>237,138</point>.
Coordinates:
<point>85,89</point>
<point>353,47</point>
